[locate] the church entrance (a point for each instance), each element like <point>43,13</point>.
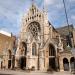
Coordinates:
<point>22,62</point>
<point>66,64</point>
<point>52,57</point>
<point>52,63</point>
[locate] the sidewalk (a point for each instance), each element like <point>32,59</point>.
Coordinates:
<point>12,72</point>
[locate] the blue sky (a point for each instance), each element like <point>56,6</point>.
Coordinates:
<point>11,12</point>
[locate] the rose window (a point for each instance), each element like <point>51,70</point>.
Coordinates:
<point>34,28</point>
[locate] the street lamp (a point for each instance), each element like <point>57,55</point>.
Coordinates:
<point>73,52</point>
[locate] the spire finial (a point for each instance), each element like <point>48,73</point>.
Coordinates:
<point>45,6</point>
<point>32,2</point>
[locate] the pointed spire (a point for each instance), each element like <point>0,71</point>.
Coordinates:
<point>45,6</point>
<point>32,2</point>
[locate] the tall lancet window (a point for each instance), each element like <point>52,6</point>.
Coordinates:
<point>34,49</point>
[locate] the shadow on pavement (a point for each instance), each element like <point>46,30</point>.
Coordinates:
<point>5,74</point>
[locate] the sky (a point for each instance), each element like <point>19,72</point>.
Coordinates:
<point>11,12</point>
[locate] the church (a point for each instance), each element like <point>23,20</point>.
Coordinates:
<point>40,46</point>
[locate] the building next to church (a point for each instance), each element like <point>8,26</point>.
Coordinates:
<point>65,32</point>
<point>68,39</point>
<point>7,41</point>
<point>40,45</point>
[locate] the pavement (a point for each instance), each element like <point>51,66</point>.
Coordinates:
<point>12,72</point>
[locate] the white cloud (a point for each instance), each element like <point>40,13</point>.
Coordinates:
<point>73,17</point>
<point>13,10</point>
<point>72,0</point>
<point>59,6</point>
<point>49,2</point>
<point>52,2</point>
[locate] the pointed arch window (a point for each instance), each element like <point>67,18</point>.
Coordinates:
<point>24,48</point>
<point>52,51</point>
<point>34,49</point>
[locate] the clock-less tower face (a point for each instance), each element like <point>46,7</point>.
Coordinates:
<point>34,29</point>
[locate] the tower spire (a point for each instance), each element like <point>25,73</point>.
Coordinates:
<point>32,2</point>
<point>45,6</point>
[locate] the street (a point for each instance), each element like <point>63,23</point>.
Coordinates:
<point>11,72</point>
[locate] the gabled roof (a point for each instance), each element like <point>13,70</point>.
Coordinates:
<point>53,27</point>
<point>64,30</point>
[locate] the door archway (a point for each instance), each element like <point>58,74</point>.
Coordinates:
<point>22,59</point>
<point>9,58</point>
<point>66,64</point>
<point>9,64</point>
<point>52,57</point>
<point>22,62</point>
<point>72,63</point>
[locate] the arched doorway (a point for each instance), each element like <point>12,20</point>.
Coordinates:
<point>72,63</point>
<point>9,58</point>
<point>66,64</point>
<point>22,62</point>
<point>52,57</point>
<point>9,64</point>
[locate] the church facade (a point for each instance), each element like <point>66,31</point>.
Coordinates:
<point>39,45</point>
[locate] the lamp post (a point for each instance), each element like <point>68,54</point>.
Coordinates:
<point>73,52</point>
